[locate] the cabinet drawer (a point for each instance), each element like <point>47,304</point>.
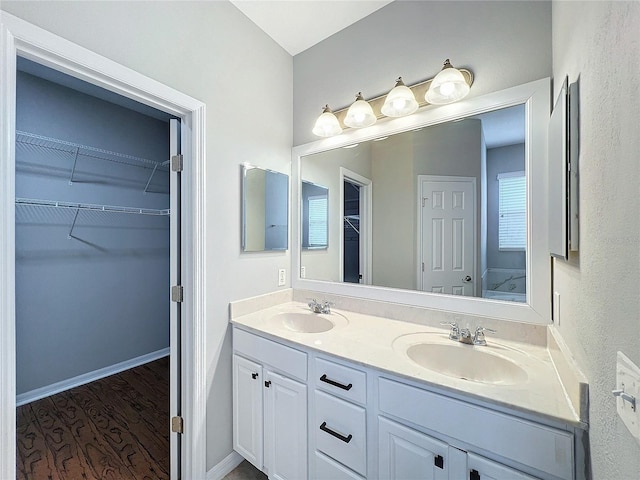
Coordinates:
<point>340,380</point>
<point>282,358</point>
<point>538,446</point>
<point>340,431</point>
<point>327,469</point>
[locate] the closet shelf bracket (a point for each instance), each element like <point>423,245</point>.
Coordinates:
<point>75,217</point>
<point>73,169</point>
<point>348,220</point>
<point>146,187</point>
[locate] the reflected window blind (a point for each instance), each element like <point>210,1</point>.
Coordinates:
<point>318,220</point>
<point>512,211</point>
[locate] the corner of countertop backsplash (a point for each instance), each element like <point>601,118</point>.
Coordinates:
<point>513,331</point>
<point>573,380</point>
<point>249,305</point>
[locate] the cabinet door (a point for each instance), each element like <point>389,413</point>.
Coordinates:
<point>247,410</point>
<point>285,424</point>
<point>410,455</point>
<point>481,468</point>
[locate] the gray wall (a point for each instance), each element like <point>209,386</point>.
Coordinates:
<point>99,298</point>
<point>452,149</point>
<point>218,57</point>
<point>599,302</point>
<point>501,160</point>
<point>503,43</point>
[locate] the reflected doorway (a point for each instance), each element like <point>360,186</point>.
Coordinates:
<point>355,261</point>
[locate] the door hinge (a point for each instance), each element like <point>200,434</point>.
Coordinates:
<point>177,163</point>
<point>423,266</point>
<point>177,293</point>
<point>177,425</point>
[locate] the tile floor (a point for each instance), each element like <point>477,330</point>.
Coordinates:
<point>245,471</point>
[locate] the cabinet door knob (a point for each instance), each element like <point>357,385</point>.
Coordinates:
<point>267,383</point>
<point>474,475</point>
<point>254,375</point>
<point>438,461</point>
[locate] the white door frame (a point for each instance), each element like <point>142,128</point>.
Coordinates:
<point>365,223</point>
<point>20,38</point>
<point>419,252</point>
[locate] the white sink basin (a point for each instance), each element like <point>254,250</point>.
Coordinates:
<point>308,322</point>
<point>482,364</point>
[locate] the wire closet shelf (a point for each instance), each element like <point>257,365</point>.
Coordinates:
<point>77,149</point>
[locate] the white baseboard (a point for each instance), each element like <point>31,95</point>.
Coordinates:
<point>89,377</point>
<point>225,467</point>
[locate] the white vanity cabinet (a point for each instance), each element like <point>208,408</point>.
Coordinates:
<point>470,433</point>
<point>270,405</point>
<point>358,422</point>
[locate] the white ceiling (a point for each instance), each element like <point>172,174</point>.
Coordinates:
<point>299,24</point>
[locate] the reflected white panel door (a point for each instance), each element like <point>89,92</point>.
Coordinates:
<point>448,234</point>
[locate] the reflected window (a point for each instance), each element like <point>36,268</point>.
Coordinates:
<point>512,223</point>
<point>315,216</point>
<point>317,221</point>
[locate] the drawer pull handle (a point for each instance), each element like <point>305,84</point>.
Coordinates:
<point>474,475</point>
<point>324,379</point>
<point>324,428</point>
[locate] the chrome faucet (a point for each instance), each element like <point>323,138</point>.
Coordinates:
<point>317,307</point>
<point>463,335</point>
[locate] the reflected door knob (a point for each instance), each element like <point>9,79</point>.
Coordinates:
<point>467,278</point>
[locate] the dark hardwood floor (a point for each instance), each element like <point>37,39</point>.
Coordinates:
<point>114,428</point>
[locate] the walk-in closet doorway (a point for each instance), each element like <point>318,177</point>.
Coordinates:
<point>186,343</point>
<point>93,251</point>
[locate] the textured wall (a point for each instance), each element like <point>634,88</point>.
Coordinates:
<point>210,51</point>
<point>597,42</point>
<point>504,43</point>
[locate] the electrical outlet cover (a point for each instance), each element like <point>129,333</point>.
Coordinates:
<point>282,277</point>
<point>628,379</point>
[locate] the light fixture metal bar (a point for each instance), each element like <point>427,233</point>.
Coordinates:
<point>418,89</point>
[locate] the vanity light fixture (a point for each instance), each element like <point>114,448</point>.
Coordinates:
<point>360,114</point>
<point>327,125</point>
<point>400,101</point>
<point>448,86</point>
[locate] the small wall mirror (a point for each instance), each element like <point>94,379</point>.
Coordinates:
<point>315,216</point>
<point>265,209</point>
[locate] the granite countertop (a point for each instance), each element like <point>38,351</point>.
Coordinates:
<point>381,343</point>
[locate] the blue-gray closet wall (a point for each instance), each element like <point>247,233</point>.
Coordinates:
<point>101,297</point>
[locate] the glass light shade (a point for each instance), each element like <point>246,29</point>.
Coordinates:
<point>448,86</point>
<point>327,124</point>
<point>400,101</point>
<point>360,114</point>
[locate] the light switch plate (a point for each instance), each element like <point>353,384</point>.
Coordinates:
<point>628,379</point>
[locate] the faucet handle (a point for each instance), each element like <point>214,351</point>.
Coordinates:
<point>454,334</point>
<point>478,336</point>
<point>326,306</point>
